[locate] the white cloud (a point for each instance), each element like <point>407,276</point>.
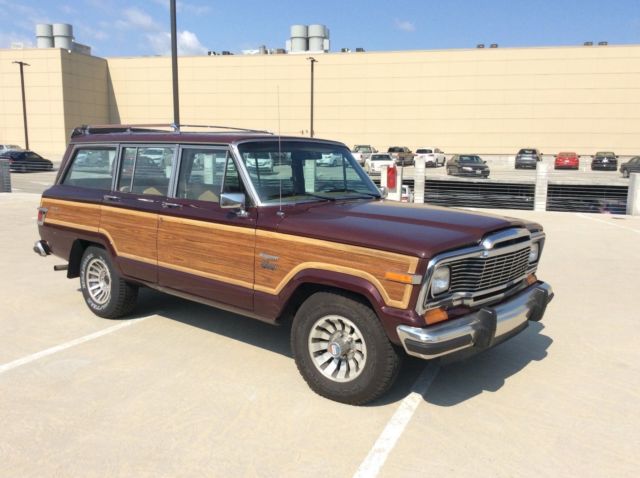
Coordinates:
<point>136,18</point>
<point>405,25</point>
<point>188,43</point>
<point>7,38</point>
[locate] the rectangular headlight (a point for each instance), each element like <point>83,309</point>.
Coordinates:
<point>534,253</point>
<point>440,280</point>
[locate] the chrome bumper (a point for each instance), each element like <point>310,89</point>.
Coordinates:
<point>479,330</point>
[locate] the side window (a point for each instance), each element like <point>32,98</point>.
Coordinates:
<point>201,173</point>
<point>232,183</point>
<point>91,168</point>
<point>146,170</point>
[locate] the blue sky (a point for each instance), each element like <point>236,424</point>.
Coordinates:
<point>131,28</point>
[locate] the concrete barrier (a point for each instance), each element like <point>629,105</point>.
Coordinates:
<point>633,195</point>
<point>5,176</point>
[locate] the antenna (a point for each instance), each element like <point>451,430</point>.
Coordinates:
<point>280,213</point>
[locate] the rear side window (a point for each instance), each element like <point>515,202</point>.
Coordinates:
<point>146,170</point>
<point>91,168</point>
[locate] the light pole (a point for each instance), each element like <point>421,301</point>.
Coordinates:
<point>313,61</point>
<point>24,103</point>
<point>174,66</point>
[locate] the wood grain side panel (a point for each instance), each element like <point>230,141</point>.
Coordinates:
<point>295,254</point>
<point>216,251</point>
<point>132,233</point>
<point>72,214</point>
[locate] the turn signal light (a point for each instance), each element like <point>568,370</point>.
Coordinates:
<point>531,279</point>
<point>403,278</point>
<point>436,315</point>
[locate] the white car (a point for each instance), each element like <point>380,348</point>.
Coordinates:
<point>374,163</point>
<point>9,147</point>
<point>433,157</point>
<point>329,160</point>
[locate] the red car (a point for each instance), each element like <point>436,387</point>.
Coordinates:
<point>567,161</point>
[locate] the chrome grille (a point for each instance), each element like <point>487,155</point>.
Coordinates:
<point>476,273</point>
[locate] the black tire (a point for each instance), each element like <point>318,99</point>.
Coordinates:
<point>114,297</point>
<point>449,173</point>
<point>357,339</point>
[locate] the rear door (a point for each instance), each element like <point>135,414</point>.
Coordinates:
<point>204,250</point>
<point>130,212</point>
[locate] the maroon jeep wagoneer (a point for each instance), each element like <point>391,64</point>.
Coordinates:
<point>249,222</point>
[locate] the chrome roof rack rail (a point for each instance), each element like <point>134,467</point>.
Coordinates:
<point>152,128</point>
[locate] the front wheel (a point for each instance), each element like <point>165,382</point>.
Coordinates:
<point>341,349</point>
<point>105,292</point>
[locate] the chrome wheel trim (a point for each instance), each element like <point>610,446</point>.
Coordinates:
<point>337,348</point>
<point>98,281</point>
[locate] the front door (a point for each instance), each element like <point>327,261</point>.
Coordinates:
<point>204,250</point>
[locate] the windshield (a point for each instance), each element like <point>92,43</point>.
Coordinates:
<point>304,170</point>
<point>607,154</point>
<point>527,151</point>
<point>470,159</point>
<point>381,157</point>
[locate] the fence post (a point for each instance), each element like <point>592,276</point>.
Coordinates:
<point>542,183</point>
<point>418,180</point>
<point>5,176</point>
<point>633,195</point>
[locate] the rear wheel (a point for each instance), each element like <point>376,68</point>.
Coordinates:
<point>106,293</point>
<point>341,349</point>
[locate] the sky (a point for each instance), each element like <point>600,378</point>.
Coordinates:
<point>134,28</point>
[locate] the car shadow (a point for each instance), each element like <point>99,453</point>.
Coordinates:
<point>453,384</point>
<point>488,371</point>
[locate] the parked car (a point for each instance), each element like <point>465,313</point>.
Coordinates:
<point>528,158</point>
<point>567,160</point>
<point>406,194</point>
<point>604,160</point>
<point>433,157</point>
<point>329,159</point>
<point>260,161</point>
<point>9,147</point>
<point>362,151</point>
<point>361,280</point>
<point>23,161</point>
<point>467,165</point>
<point>631,166</point>
<point>402,155</point>
<point>375,162</point>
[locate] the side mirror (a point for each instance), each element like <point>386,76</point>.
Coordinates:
<point>384,192</point>
<point>234,201</point>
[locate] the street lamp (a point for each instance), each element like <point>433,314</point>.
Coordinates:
<point>313,61</point>
<point>24,103</point>
<point>174,65</point>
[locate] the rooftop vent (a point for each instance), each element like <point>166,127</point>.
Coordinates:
<point>480,45</point>
<point>493,45</point>
<point>588,43</point>
<point>603,43</point>
<point>360,50</point>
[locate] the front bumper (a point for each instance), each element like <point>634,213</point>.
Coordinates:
<point>479,330</point>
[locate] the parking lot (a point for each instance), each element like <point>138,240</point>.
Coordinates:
<point>182,389</point>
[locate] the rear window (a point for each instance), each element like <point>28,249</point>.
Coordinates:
<point>527,151</point>
<point>91,168</point>
<point>381,157</point>
<point>424,151</point>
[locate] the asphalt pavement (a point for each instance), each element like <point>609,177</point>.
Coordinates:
<point>181,389</point>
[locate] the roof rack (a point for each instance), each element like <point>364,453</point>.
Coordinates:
<point>152,128</point>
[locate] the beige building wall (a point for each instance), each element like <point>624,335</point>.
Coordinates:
<point>486,101</point>
<point>62,90</point>
<point>490,101</point>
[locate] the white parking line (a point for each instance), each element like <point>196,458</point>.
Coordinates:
<point>58,348</point>
<point>387,440</point>
<point>587,216</point>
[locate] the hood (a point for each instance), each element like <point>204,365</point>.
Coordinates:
<point>415,230</point>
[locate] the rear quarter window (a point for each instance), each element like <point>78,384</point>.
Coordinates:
<point>91,168</point>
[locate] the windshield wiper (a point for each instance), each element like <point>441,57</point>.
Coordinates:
<point>347,190</point>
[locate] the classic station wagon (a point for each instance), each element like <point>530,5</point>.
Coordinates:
<point>362,279</point>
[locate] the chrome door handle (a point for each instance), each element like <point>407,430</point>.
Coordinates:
<point>171,205</point>
<point>108,197</point>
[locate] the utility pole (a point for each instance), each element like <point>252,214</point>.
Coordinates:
<point>313,61</point>
<point>24,102</point>
<point>174,66</point>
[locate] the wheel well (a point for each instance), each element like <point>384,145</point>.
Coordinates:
<point>75,256</point>
<point>306,290</point>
